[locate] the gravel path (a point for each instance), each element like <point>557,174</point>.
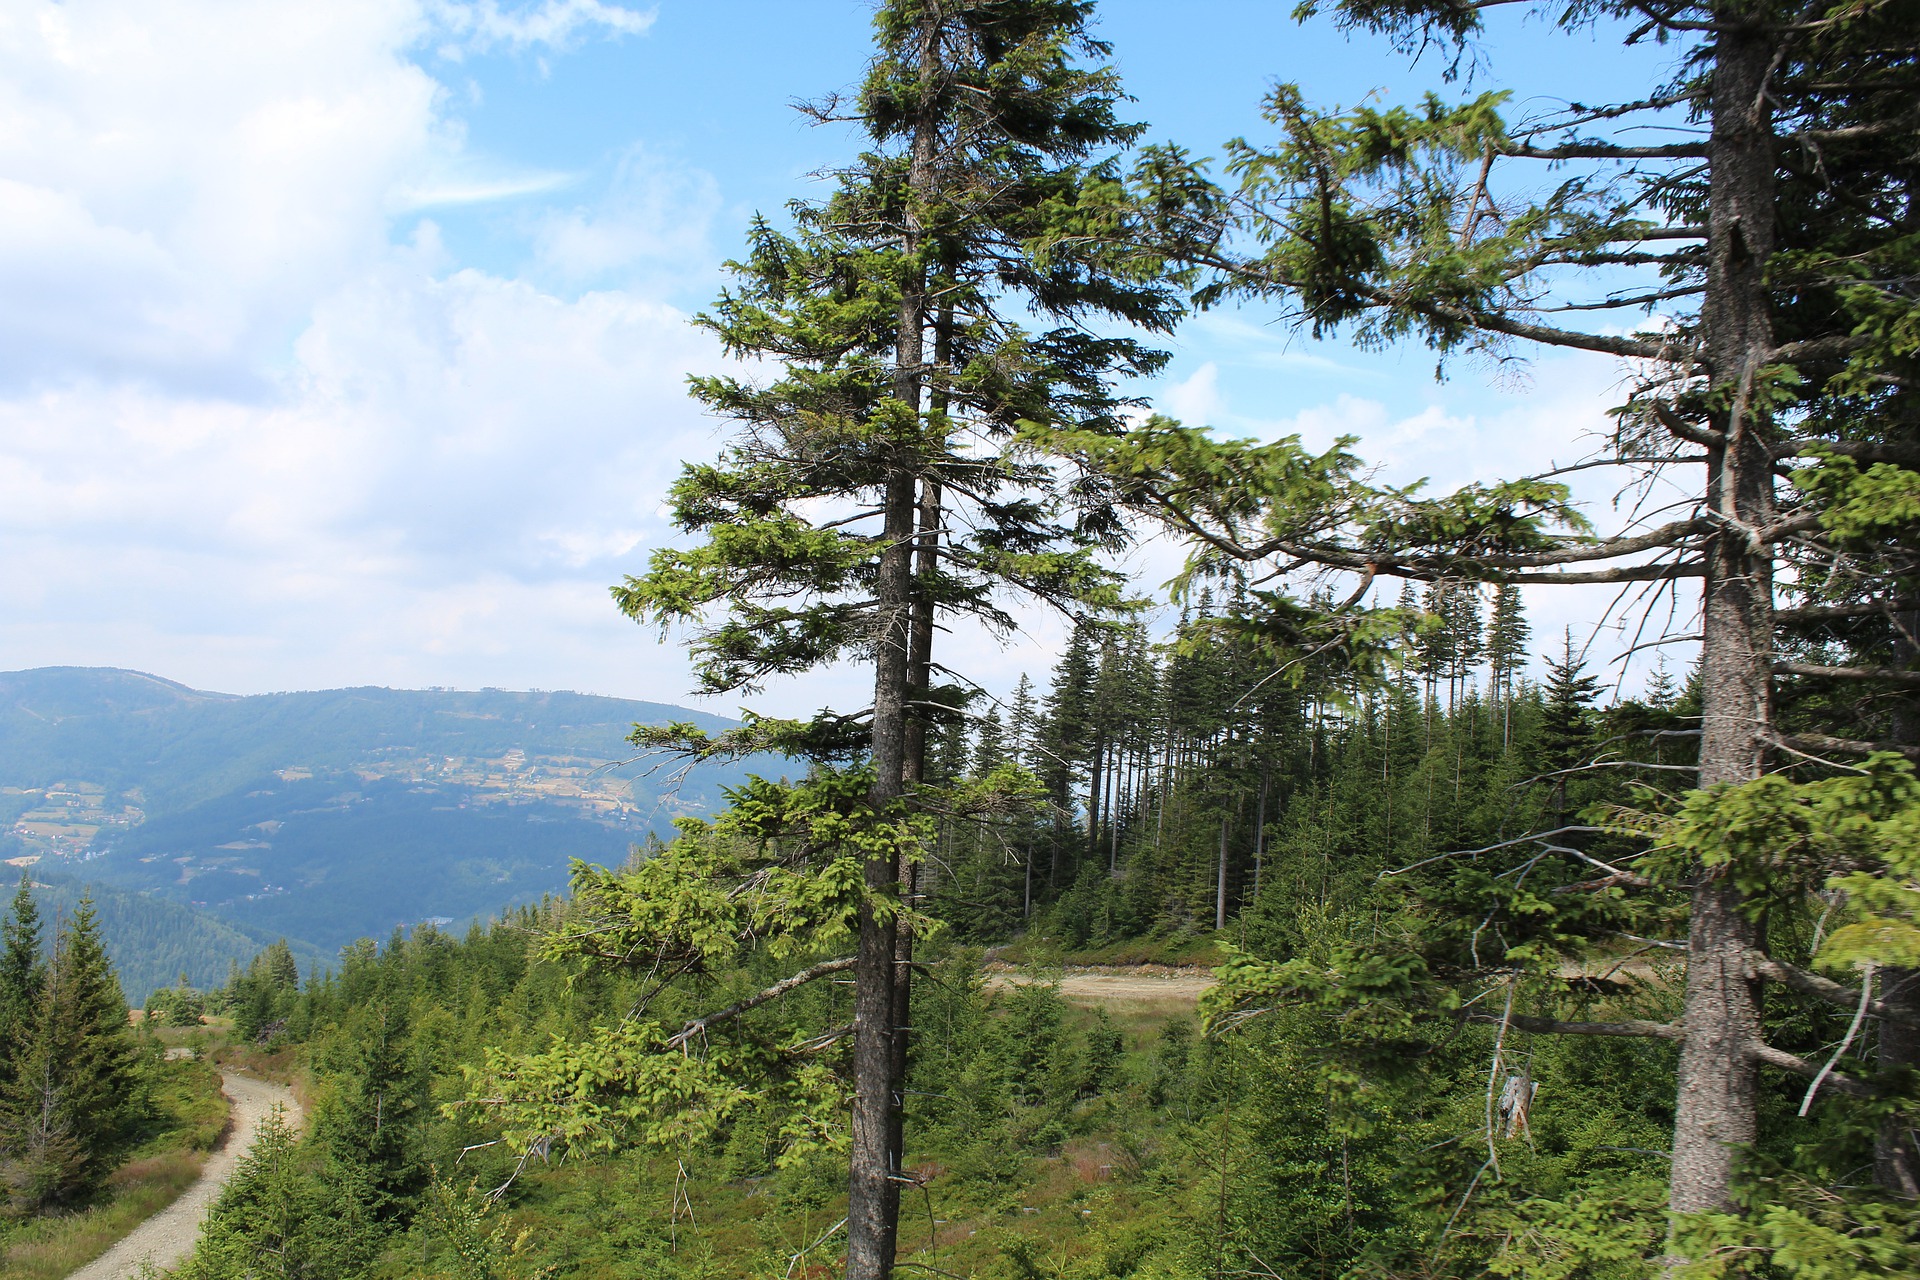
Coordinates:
<point>168,1236</point>
<point>1135,983</point>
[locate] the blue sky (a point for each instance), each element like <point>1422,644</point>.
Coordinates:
<point>344,343</point>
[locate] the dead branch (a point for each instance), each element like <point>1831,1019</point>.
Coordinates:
<point>1834,993</point>
<point>1767,1055</point>
<point>774,992</point>
<point>1891,675</point>
<point>1632,1027</point>
<point>1852,746</point>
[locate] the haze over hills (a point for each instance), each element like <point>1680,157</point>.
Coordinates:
<point>324,816</point>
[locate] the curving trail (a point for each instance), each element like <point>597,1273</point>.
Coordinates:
<point>168,1236</point>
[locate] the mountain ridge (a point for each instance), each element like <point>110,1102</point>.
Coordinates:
<point>329,815</point>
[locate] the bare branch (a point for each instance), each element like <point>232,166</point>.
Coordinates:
<point>774,992</point>
<point>1609,151</point>
<point>1633,1027</point>
<point>1767,1055</point>
<point>1834,612</point>
<point>1852,746</point>
<point>1827,989</point>
<point>1860,451</point>
<point>1891,675</point>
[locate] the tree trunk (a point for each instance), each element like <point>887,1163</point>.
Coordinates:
<point>1096,766</point>
<point>913,773</point>
<point>873,1201</point>
<point>1896,1147</point>
<point>873,1193</point>
<point>1260,833</point>
<point>1717,1076</point>
<point>1220,886</point>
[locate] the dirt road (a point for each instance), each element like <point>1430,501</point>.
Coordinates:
<point>168,1236</point>
<point>1138,984</point>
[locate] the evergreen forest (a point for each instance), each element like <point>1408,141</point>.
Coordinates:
<point>1484,951</point>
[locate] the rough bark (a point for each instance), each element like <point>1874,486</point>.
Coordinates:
<point>1718,1078</point>
<point>1896,1147</point>
<point>1896,1144</point>
<point>914,772</point>
<point>873,1194</point>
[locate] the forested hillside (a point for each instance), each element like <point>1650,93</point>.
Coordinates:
<point>178,746</point>
<point>319,817</point>
<point>152,942</point>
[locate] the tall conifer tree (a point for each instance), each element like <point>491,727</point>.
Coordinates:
<point>22,974</point>
<point>896,476</point>
<point>1775,243</point>
<point>65,1114</point>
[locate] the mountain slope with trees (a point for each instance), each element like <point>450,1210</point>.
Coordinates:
<point>320,817</point>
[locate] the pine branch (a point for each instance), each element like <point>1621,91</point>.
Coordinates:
<point>1447,564</point>
<point>1859,451</point>
<point>1260,281</point>
<point>1817,742</point>
<point>1820,348</point>
<point>1631,573</point>
<point>1609,151</point>
<point>1834,612</point>
<point>1633,1027</point>
<point>1891,675</point>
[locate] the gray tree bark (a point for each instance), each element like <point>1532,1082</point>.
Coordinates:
<point>1896,1147</point>
<point>873,1193</point>
<point>1717,1075</point>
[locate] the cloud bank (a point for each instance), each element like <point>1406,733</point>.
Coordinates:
<point>252,423</point>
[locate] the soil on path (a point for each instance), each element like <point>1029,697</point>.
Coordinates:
<point>168,1236</point>
<point>1118,984</point>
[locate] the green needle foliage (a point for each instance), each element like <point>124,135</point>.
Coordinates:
<point>1775,278</point>
<point>965,295</point>
<point>71,1099</point>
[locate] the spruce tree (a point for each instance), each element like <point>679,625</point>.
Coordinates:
<point>1507,635</point>
<point>897,475</point>
<point>66,1114</point>
<point>1566,724</point>
<point>22,975</point>
<point>370,1123</point>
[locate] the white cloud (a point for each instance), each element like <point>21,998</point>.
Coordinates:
<point>184,176</point>
<point>554,24</point>
<point>1195,400</point>
<point>654,215</point>
<point>456,189</point>
<point>248,440</point>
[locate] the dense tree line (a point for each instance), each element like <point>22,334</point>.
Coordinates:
<point>1178,776</point>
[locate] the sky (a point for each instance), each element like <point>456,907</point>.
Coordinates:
<point>346,343</point>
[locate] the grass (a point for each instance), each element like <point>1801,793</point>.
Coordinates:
<point>53,1248</point>
<point>189,1115</point>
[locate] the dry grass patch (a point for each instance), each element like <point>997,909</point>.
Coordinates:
<point>53,1248</point>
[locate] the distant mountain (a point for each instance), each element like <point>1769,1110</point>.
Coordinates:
<point>330,815</point>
